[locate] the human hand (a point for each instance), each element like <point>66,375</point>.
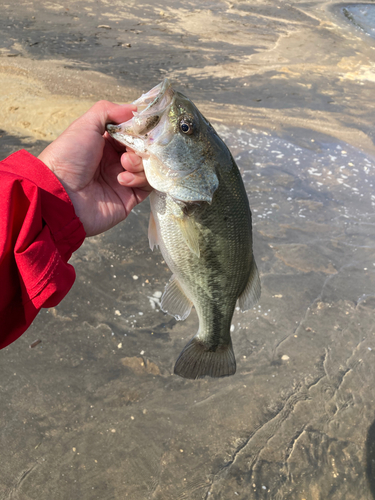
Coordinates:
<point>103,181</point>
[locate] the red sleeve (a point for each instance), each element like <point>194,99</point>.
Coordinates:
<point>39,231</point>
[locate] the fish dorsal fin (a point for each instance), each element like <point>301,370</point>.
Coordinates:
<point>250,296</point>
<point>174,301</point>
<point>152,232</point>
<point>190,233</point>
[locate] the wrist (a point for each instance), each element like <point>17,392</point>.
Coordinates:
<point>47,159</point>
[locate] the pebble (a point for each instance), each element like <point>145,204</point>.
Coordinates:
<point>35,343</point>
<point>285,357</point>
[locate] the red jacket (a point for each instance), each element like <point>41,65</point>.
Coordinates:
<point>39,231</point>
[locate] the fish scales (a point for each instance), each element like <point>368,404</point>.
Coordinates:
<point>215,279</point>
<point>201,220</point>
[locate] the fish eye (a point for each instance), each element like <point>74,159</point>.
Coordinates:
<point>186,127</point>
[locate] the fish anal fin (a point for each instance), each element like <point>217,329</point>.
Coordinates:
<point>174,301</point>
<point>250,296</point>
<point>190,233</point>
<point>199,359</point>
<point>152,232</point>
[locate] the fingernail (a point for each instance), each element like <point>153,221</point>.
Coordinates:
<point>130,105</point>
<point>134,159</point>
<point>125,177</point>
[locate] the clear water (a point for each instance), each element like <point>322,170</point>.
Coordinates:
<point>362,16</point>
<point>100,411</point>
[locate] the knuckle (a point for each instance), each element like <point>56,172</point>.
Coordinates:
<point>102,104</point>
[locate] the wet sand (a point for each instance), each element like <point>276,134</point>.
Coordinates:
<point>93,411</point>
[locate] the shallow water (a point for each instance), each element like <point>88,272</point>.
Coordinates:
<point>112,422</point>
<point>94,411</point>
<point>362,16</point>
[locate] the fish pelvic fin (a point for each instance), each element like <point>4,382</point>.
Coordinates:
<point>250,296</point>
<point>199,359</point>
<point>174,301</point>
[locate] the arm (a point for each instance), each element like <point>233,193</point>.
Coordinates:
<point>82,184</point>
<point>39,231</point>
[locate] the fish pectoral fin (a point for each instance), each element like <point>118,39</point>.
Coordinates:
<point>198,359</point>
<point>152,232</point>
<point>190,233</point>
<point>174,301</point>
<point>250,296</point>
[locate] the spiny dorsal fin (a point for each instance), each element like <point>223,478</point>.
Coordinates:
<point>174,301</point>
<point>250,296</point>
<point>198,360</point>
<point>152,232</point>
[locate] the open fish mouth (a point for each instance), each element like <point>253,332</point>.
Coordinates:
<point>151,107</point>
<point>156,99</point>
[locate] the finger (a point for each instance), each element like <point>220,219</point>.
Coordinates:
<point>104,112</point>
<point>136,180</point>
<point>131,162</point>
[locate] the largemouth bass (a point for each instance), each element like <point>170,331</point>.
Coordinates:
<point>201,221</point>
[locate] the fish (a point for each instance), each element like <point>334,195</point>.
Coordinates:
<point>201,221</point>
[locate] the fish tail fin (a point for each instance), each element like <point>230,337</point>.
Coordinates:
<point>199,359</point>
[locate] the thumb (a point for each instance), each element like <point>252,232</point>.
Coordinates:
<point>104,112</point>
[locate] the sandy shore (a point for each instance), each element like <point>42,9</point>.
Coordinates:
<point>278,68</point>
